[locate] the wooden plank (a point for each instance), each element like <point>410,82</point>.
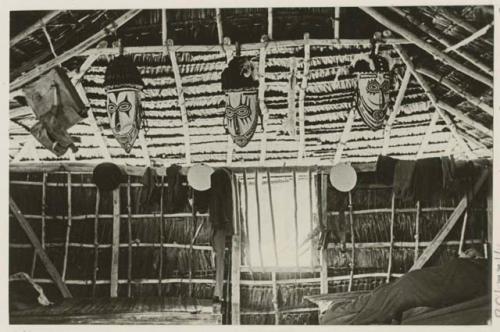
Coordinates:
<point>273,221</point>
<point>345,136</point>
<point>51,269</point>
<point>182,104</point>
<point>115,250</point>
<point>391,246</point>
<point>68,229</point>
<point>448,226</point>
<point>395,111</point>
<point>409,65</point>
<point>77,50</point>
<point>429,48</point>
<point>302,97</point>
<point>323,252</point>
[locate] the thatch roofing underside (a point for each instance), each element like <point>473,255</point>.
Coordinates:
<point>328,95</point>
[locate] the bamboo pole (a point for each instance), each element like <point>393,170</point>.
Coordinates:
<point>49,40</point>
<point>427,47</point>
<point>417,231</point>
<point>457,89</point>
<point>462,234</point>
<point>270,22</point>
<point>391,247</point>
<point>302,97</point>
<point>455,19</point>
<point>273,221</point>
<point>235,263</point>
<point>345,136</point>
<point>218,18</point>
<point>164,37</point>
<point>311,213</point>
<point>275,299</point>
<point>257,202</point>
<point>115,250</point>
<point>336,29</point>
<point>160,270</point>
<point>409,64</point>
<point>448,226</point>
<point>353,252</point>
<point>42,235</point>
<point>51,269</point>
<point>77,50</point>
<point>437,35</point>
<point>395,111</point>
<point>469,39</point>
<point>245,187</point>
<point>96,243</point>
<point>68,230</point>
<point>34,27</point>
<point>296,219</point>
<point>129,234</point>
<point>323,252</point>
<point>464,118</point>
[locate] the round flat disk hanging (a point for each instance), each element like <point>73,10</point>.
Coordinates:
<point>198,177</point>
<point>343,177</point>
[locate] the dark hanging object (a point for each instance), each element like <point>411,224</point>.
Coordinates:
<point>58,106</point>
<point>108,176</point>
<point>375,82</point>
<point>242,107</point>
<point>123,85</point>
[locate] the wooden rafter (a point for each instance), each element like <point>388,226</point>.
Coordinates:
<point>457,89</point>
<point>469,39</point>
<point>49,40</point>
<point>345,136</point>
<point>302,97</point>
<point>443,39</point>
<point>77,50</point>
<point>427,47</point>
<point>428,133</point>
<point>270,23</point>
<point>84,68</point>
<point>182,103</point>
<point>464,118</point>
<point>395,111</point>
<point>38,25</point>
<point>244,47</point>
<point>449,15</point>
<point>448,226</point>
<point>51,269</point>
<point>115,249</point>
<point>449,123</point>
<point>262,104</point>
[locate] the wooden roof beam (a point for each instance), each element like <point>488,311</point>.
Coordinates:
<point>302,97</point>
<point>38,25</point>
<point>262,104</point>
<point>395,111</point>
<point>449,123</point>
<point>469,39</point>
<point>443,39</point>
<point>445,58</point>
<point>345,136</point>
<point>457,89</point>
<point>464,118</point>
<point>77,50</point>
<point>182,103</point>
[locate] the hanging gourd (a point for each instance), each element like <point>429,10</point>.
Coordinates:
<point>123,85</point>
<point>375,80</point>
<point>240,84</point>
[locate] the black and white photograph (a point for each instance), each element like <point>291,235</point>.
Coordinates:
<point>251,165</point>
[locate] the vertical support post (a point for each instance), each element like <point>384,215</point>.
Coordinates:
<point>270,23</point>
<point>353,258</point>
<point>160,269</point>
<point>164,37</point>
<point>245,188</point>
<point>235,262</point>
<point>311,214</point>
<point>129,233</point>
<point>116,243</point>
<point>218,17</point>
<point>462,234</point>
<point>296,219</point>
<point>262,104</point>
<point>68,230</point>
<point>275,299</point>
<point>273,222</point>
<point>43,208</point>
<point>323,253</point>
<point>257,202</point>
<point>302,97</point>
<point>96,242</point>
<point>336,28</point>
<point>417,231</point>
<point>391,245</point>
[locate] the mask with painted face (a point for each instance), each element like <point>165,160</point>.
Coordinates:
<point>123,86</point>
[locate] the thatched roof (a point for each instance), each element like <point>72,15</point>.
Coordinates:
<point>329,89</point>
